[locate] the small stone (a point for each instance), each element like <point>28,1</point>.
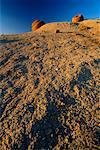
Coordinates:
<point>66,140</point>
<point>51,135</point>
<point>31,108</point>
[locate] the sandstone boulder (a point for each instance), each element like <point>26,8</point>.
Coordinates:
<point>37,24</point>
<point>77,18</point>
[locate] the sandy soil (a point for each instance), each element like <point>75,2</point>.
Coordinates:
<point>49,84</point>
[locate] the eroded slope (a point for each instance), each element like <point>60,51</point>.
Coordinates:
<point>49,91</point>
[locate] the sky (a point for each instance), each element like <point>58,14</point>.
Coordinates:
<point>16,16</point>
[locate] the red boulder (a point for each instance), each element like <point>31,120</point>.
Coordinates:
<point>77,18</point>
<point>37,24</point>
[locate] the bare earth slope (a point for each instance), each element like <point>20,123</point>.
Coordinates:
<point>49,88</point>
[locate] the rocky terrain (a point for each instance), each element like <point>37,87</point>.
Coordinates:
<point>49,82</point>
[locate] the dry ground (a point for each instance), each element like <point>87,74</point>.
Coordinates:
<point>49,83</point>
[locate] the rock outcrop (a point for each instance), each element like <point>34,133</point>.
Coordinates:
<point>37,24</point>
<point>77,18</point>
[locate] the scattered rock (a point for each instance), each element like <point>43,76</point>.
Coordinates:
<point>49,88</point>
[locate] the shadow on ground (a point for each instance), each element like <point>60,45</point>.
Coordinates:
<point>9,41</point>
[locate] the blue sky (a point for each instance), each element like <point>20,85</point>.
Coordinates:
<point>16,16</point>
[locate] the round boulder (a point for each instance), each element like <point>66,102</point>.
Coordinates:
<point>37,24</point>
<point>77,18</point>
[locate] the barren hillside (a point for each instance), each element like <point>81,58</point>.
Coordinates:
<point>49,88</point>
